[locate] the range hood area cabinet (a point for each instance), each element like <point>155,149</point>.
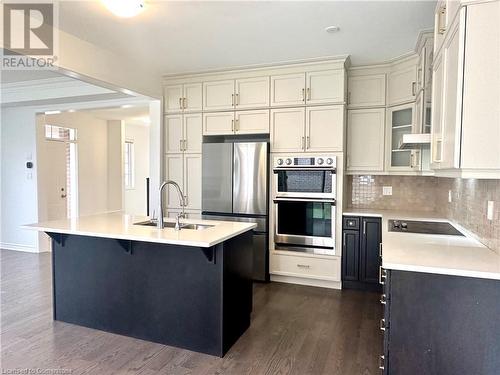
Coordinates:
<point>466,92</point>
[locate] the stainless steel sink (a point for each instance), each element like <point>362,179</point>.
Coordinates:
<point>168,224</point>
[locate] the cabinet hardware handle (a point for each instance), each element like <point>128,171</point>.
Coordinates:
<point>382,324</point>
<point>303,265</point>
<point>380,250</point>
<point>237,99</point>
<point>180,103</point>
<point>180,144</point>
<point>303,143</point>
<point>184,103</point>
<point>383,299</point>
<point>382,275</point>
<point>344,240</point>
<point>413,88</point>
<point>308,93</point>
<point>232,100</point>
<point>364,227</point>
<point>442,13</point>
<point>303,95</point>
<point>232,125</point>
<point>184,143</point>
<point>411,159</point>
<point>308,142</point>
<point>381,362</point>
<point>236,125</point>
<point>64,195</point>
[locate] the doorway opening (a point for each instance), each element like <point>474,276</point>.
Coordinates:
<point>62,150</point>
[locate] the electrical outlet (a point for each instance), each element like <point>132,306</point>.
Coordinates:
<point>490,210</point>
<point>449,196</point>
<point>386,190</point>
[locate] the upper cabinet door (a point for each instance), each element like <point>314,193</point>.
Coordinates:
<point>421,70</point>
<point>437,113</point>
<point>173,134</point>
<point>252,122</point>
<point>173,98</point>
<point>288,89</point>
<point>192,97</point>
<point>402,84</point>
<point>325,128</point>
<point>218,95</point>
<point>326,86</point>
<point>288,130</point>
<point>252,92</point>
<point>365,139</point>
<point>366,91</point>
<point>218,123</point>
<point>192,181</point>
<point>193,138</point>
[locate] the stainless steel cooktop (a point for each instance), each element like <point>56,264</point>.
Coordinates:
<point>425,227</point>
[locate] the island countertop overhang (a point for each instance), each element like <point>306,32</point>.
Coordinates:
<point>118,225</point>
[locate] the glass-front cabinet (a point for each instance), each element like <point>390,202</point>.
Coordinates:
<point>401,120</point>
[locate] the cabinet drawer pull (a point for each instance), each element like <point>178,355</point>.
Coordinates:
<point>382,275</point>
<point>184,103</point>
<point>382,324</point>
<point>232,100</point>
<point>236,125</point>
<point>303,95</point>
<point>303,265</point>
<point>184,145</point>
<point>237,99</point>
<point>232,125</point>
<point>381,362</point>
<point>304,143</point>
<point>180,144</point>
<point>308,142</point>
<point>180,103</point>
<point>413,88</point>
<point>442,15</point>
<point>380,250</point>
<point>349,97</point>
<point>308,93</point>
<point>383,299</point>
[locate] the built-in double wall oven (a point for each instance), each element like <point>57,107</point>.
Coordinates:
<point>304,200</point>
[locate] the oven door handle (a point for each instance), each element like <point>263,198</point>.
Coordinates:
<point>331,170</point>
<point>332,201</point>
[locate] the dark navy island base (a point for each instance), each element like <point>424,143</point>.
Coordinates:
<point>189,297</point>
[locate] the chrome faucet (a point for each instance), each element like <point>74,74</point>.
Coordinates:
<point>161,224</point>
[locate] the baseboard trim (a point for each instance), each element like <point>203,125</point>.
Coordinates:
<point>307,281</point>
<point>18,247</point>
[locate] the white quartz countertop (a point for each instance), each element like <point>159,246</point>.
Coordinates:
<point>121,226</point>
<point>441,254</point>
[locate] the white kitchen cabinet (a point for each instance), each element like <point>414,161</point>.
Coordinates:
<point>437,115</point>
<point>192,181</point>
<point>288,130</point>
<point>218,95</point>
<point>400,120</point>
<point>192,133</point>
<point>175,172</point>
<point>365,140</point>
<point>452,100</point>
<point>325,86</point>
<point>366,91</point>
<point>288,89</point>
<point>218,123</point>
<point>252,92</point>
<point>401,84</point>
<point>183,133</point>
<point>325,128</point>
<point>183,98</point>
<point>173,134</point>
<point>185,169</point>
<point>421,70</point>
<point>252,122</point>
<point>444,15</point>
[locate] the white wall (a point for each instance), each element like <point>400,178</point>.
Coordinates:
<point>135,199</point>
<point>19,191</point>
<point>115,165</point>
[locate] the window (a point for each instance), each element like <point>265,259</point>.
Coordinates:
<point>58,133</point>
<point>129,165</point>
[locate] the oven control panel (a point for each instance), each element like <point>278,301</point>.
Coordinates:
<point>307,162</point>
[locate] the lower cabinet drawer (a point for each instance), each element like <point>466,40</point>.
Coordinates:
<point>300,266</point>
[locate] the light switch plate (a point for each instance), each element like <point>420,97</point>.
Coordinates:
<point>489,211</point>
<point>386,190</point>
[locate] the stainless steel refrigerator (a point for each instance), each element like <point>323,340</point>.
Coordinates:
<point>235,188</point>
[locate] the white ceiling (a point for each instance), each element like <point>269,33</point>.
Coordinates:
<point>173,37</point>
<point>134,114</point>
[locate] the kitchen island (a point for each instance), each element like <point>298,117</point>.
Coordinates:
<point>190,288</point>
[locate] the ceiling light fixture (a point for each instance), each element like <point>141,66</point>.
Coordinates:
<point>332,29</point>
<point>124,8</point>
<point>52,112</point>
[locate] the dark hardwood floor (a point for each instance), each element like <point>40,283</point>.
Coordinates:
<point>295,330</point>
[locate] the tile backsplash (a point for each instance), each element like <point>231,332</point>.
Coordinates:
<point>467,208</point>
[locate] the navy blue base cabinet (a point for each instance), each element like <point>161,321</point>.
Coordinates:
<point>361,238</point>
